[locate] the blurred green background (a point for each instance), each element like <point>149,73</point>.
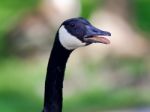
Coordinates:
<point>98,78</point>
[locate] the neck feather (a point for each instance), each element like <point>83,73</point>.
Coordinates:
<point>54,78</point>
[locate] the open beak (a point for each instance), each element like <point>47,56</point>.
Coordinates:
<point>94,35</point>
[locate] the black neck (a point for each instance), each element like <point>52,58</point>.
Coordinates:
<point>54,79</point>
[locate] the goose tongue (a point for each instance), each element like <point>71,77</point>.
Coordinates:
<point>98,39</point>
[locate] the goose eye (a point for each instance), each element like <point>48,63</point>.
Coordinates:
<point>72,25</point>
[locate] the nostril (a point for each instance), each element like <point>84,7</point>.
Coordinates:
<point>108,33</point>
<point>95,31</point>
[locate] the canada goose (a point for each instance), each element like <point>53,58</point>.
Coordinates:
<point>73,33</point>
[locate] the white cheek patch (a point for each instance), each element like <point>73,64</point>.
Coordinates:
<point>69,41</point>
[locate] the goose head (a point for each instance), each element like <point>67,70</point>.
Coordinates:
<point>78,32</point>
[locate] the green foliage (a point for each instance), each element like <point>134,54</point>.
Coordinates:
<point>103,100</point>
<point>17,89</point>
<point>12,101</point>
<point>142,14</point>
<point>88,6</point>
<point>10,11</point>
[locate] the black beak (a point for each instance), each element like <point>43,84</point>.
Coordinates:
<point>95,35</point>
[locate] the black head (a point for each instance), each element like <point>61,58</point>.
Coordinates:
<point>77,32</point>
